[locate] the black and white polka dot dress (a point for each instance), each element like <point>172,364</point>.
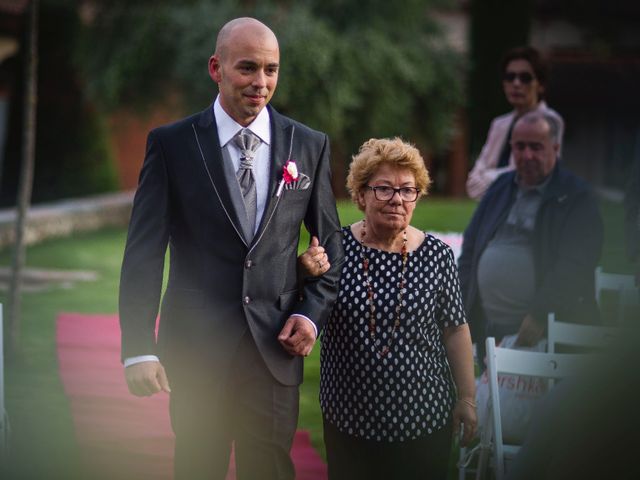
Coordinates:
<point>407,393</point>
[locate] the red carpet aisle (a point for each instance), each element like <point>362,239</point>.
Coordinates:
<point>122,436</point>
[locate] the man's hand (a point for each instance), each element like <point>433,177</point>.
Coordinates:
<point>530,332</point>
<point>297,336</point>
<point>314,261</point>
<point>146,378</point>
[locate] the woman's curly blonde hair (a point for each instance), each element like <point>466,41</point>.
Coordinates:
<point>394,152</point>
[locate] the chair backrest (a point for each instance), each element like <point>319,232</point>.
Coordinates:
<point>517,362</point>
<point>576,335</point>
<point>623,285</point>
<point>3,423</point>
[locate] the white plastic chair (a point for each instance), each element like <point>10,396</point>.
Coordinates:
<point>465,460</point>
<point>4,420</point>
<point>576,335</point>
<point>623,285</point>
<point>517,362</point>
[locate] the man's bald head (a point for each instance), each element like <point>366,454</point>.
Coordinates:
<point>241,26</point>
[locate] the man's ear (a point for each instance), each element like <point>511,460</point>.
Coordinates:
<point>214,68</point>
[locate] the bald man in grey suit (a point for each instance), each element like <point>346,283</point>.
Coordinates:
<point>234,325</point>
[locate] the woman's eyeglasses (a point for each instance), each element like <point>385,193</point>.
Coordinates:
<point>524,77</point>
<point>384,193</point>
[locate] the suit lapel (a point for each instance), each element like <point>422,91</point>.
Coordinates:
<point>280,146</point>
<point>206,134</point>
<point>280,151</point>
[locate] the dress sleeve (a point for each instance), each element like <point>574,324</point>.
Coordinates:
<point>451,309</point>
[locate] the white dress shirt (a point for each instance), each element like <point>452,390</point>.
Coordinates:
<point>227,129</point>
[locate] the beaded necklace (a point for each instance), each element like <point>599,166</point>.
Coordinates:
<point>370,297</point>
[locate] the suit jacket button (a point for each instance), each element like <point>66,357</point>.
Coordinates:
<point>246,300</point>
<point>248,264</point>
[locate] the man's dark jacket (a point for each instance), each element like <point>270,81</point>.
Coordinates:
<point>567,243</point>
<point>219,284</point>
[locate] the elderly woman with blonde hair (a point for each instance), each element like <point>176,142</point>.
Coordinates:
<point>396,364</point>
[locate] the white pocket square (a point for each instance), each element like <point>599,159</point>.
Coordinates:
<point>301,183</point>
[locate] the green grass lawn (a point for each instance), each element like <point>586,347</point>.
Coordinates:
<point>42,434</point>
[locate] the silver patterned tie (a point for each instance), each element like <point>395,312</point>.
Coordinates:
<point>248,143</point>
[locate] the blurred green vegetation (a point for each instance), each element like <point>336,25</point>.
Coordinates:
<point>351,69</point>
<point>73,154</point>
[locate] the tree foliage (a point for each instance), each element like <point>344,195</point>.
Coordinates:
<point>72,155</point>
<point>350,68</point>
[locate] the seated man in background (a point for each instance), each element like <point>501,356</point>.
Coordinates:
<point>532,244</point>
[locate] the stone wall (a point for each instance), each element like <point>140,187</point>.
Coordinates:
<point>66,217</point>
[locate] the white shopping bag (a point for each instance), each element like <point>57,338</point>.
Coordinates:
<point>518,396</point>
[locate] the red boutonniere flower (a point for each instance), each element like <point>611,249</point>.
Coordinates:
<point>289,172</point>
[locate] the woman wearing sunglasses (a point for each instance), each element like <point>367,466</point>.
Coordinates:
<point>524,77</point>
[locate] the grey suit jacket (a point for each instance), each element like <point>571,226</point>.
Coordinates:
<point>219,284</point>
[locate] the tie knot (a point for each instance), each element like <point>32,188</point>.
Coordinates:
<point>248,143</point>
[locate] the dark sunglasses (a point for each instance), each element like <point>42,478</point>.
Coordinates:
<point>524,77</point>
